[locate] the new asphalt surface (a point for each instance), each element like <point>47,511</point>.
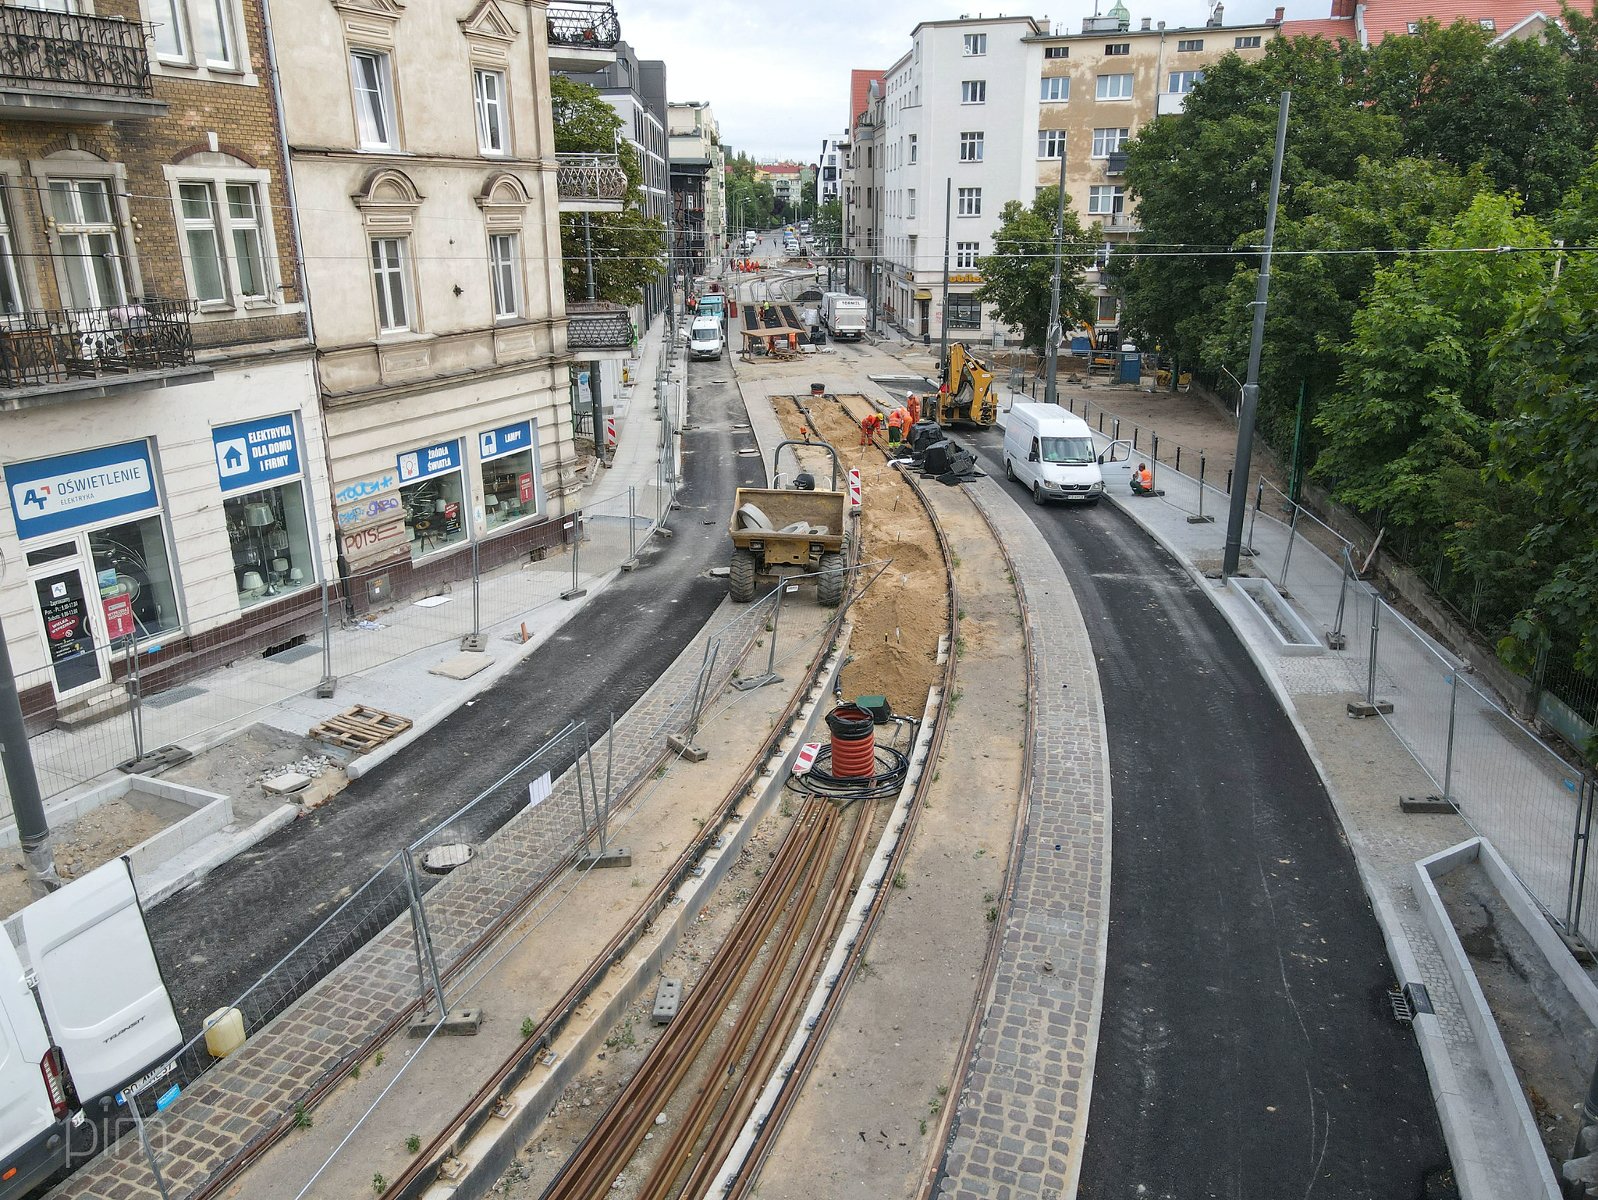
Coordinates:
<point>1247,1048</point>
<point>215,939</point>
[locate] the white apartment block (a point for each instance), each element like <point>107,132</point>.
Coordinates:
<point>986,111</point>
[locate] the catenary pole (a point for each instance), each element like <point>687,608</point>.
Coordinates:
<point>1051,394</point>
<point>26,804</point>
<point>1249,407</point>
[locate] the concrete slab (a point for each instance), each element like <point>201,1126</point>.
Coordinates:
<point>462,666</point>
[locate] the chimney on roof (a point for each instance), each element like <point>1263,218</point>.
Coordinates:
<point>1343,9</point>
<point>1148,23</point>
<point>1277,19</point>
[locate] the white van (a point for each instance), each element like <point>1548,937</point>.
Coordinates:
<point>704,338</point>
<point>1050,451</point>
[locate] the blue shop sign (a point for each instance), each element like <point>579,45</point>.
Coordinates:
<point>507,439</point>
<point>255,454</point>
<point>49,495</point>
<point>429,461</point>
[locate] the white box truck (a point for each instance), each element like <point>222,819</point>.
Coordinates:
<point>90,1019</point>
<point>844,316</point>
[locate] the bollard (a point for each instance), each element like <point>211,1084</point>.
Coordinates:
<point>1259,498</point>
<point>1115,429</point>
<point>1154,456</point>
<point>1134,437</point>
<point>1228,481</point>
<point>1179,458</point>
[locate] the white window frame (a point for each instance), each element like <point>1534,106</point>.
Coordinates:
<point>910,204</point>
<point>1049,141</point>
<point>1100,193</point>
<point>965,255</point>
<point>968,202</point>
<point>1108,308</point>
<point>505,274</point>
<point>1189,45</point>
<point>389,111</point>
<point>385,276</point>
<point>1054,89</point>
<point>913,149</point>
<point>973,91</point>
<point>178,17</point>
<point>1109,141</point>
<point>124,276</point>
<point>493,112</point>
<point>972,145</point>
<point>237,302</point>
<point>976,45</point>
<point>10,275</point>
<point>1114,87</point>
<point>1180,83</point>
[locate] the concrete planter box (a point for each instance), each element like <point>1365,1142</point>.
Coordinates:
<point>1281,622</point>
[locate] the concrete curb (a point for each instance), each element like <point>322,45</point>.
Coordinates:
<point>164,888</point>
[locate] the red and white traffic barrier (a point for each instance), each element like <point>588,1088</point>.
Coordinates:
<point>806,758</point>
<point>610,433</point>
<point>854,487</point>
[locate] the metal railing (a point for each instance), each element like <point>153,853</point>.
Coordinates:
<point>44,346</point>
<point>590,177</point>
<point>70,52</point>
<point>589,25</point>
<point>598,326</point>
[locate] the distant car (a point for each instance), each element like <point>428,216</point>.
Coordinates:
<point>751,238</point>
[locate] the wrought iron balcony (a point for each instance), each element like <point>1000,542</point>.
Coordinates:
<point>582,34</point>
<point>590,182</point>
<point>598,326</point>
<point>55,346</point>
<point>65,66</point>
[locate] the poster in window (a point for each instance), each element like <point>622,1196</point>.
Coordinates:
<point>63,623</point>
<point>524,487</point>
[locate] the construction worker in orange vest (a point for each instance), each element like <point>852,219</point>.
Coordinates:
<point>869,425</point>
<point>897,422</point>
<point>912,404</point>
<point>1142,481</point>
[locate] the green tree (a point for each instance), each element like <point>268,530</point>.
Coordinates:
<point>828,227</point>
<point>1546,445</point>
<point>1018,275</point>
<point>1414,409</point>
<point>629,247</point>
<point>1201,181</point>
<point>749,196</point>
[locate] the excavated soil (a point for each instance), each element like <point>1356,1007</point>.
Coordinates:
<point>898,621</point>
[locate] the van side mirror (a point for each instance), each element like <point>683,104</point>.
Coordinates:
<point>1032,456</point>
<point>1101,460</point>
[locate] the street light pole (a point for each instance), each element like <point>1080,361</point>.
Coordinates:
<point>1249,407</point>
<point>1051,350</point>
<point>33,831</point>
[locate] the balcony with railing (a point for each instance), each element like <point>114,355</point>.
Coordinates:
<point>57,66</point>
<point>582,35</point>
<point>66,352</point>
<point>1121,222</point>
<point>590,182</point>
<point>596,329</point>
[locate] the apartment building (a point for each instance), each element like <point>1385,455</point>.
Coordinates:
<point>698,188</point>
<point>862,194</point>
<point>160,437</point>
<point>426,182</point>
<point>829,170</point>
<point>985,111</point>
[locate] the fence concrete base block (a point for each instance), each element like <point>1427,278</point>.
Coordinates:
<point>1201,520</point>
<point>1359,708</point>
<point>325,689</point>
<point>616,856</point>
<point>1433,805</point>
<point>754,681</point>
<point>668,998</point>
<point>686,749</point>
<point>155,760</point>
<point>475,642</point>
<point>630,564</point>
<point>1336,641</point>
<point>664,532</point>
<point>574,593</point>
<point>458,1022</point>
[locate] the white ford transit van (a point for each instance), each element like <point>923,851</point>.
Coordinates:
<point>704,338</point>
<point>1050,451</point>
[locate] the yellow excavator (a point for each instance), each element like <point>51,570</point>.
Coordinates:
<point>969,399</point>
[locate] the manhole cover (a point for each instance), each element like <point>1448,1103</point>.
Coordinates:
<point>441,860</point>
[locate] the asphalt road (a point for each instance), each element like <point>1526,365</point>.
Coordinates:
<point>1246,1047</point>
<point>215,939</point>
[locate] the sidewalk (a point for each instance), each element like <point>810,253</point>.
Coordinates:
<point>391,659</point>
<point>1508,787</point>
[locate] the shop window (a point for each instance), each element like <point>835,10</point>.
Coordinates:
<point>131,560</point>
<point>510,480</point>
<point>965,312</point>
<point>271,540</point>
<point>435,513</point>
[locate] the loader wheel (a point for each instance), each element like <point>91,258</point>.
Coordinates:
<point>741,576</point>
<point>829,587</point>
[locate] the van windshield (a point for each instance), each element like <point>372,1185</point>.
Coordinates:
<point>1072,451</point>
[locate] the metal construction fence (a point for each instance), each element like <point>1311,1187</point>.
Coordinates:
<point>328,650</point>
<point>407,945</point>
<point>1535,804</point>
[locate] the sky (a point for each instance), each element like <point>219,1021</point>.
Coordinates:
<point>777,76</point>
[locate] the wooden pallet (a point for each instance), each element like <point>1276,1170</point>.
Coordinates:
<point>360,729</point>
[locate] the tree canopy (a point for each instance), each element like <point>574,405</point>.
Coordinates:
<point>1018,275</point>
<point>629,247</point>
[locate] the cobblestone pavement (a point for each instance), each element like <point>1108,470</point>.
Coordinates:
<point>1023,1110</point>
<point>243,1097</point>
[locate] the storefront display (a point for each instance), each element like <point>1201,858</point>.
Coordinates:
<point>263,502</point>
<point>509,474</point>
<point>432,492</point>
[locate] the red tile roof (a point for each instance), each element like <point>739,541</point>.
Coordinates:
<point>860,92</point>
<point>781,168</point>
<point>1394,16</point>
